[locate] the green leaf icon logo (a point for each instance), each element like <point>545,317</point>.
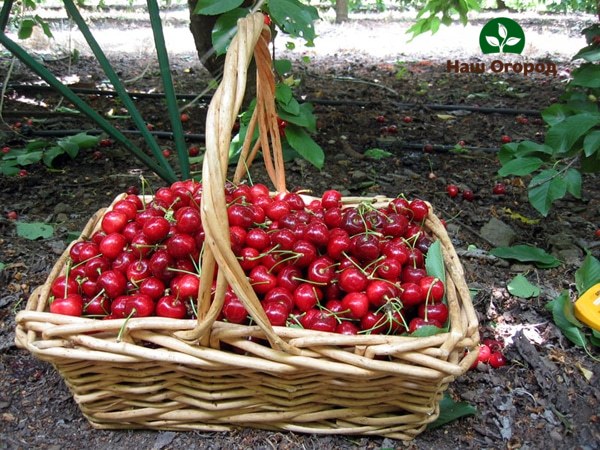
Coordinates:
<point>502,35</point>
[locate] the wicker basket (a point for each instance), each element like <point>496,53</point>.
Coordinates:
<point>205,374</point>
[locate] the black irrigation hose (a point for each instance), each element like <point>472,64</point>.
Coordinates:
<point>198,137</point>
<point>96,132</point>
<point>439,148</point>
<point>316,101</point>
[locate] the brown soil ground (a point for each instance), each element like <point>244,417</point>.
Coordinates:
<point>541,399</point>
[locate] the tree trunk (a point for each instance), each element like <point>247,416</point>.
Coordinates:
<point>201,27</point>
<point>341,11</point>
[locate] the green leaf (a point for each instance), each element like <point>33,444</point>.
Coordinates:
<point>558,307</point>
<point>2,266</point>
<point>590,164</point>
<point>520,286</point>
<point>295,18</point>
<point>544,189</point>
<point>434,262</point>
<point>528,148</point>
<point>591,143</point>
<point>427,330</point>
<point>561,137</point>
<point>83,140</point>
<point>37,144</point>
<point>225,28</point>
<point>26,28</point>
<point>527,253</point>
<point>283,93</point>
<point>44,25</point>
<point>595,338</point>
<point>34,230</point>
<point>308,149</point>
<point>587,75</point>
<point>507,152</point>
<point>573,179</point>
<point>9,168</point>
<point>305,118</point>
<point>520,166</point>
<point>70,148</point>
<point>450,411</point>
<point>377,153</point>
<point>588,274</point>
<point>282,66</point>
<point>51,154</point>
<point>214,7</point>
<point>556,113</point>
<point>29,158</point>
<point>435,25</point>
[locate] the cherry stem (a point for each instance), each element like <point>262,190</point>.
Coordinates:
<point>124,326</point>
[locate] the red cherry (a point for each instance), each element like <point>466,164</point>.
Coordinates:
<point>71,305</point>
<point>505,139</point>
<point>411,294</point>
<point>234,310</point>
<point>468,195</point>
<point>499,189</point>
<point>277,313</point>
<point>306,296</point>
<point>497,360</point>
<point>171,307</point>
<point>357,303</point>
<point>418,322</point>
<point>262,280</point>
<point>352,280</point>
<point>484,353</point>
<point>407,119</point>
<point>380,292</point>
<point>452,190</point>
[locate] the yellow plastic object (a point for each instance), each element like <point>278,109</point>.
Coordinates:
<point>587,307</point>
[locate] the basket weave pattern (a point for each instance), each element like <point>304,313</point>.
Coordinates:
<point>205,374</point>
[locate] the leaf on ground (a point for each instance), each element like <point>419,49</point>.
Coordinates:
<point>377,153</point>
<point>517,216</point>
<point>34,230</point>
<point>527,253</point>
<point>450,411</point>
<point>587,374</point>
<point>588,274</point>
<point>562,309</point>
<point>521,287</point>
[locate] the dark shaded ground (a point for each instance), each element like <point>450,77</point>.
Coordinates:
<point>540,400</point>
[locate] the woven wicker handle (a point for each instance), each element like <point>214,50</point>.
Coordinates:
<point>252,38</point>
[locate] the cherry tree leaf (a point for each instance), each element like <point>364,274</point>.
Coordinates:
<point>512,41</point>
<point>34,230</point>
<point>493,41</point>
<point>450,411</point>
<point>521,287</point>
<point>502,30</point>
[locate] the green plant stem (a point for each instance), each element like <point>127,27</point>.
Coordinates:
<point>118,86</point>
<point>558,173</point>
<point>165,73</point>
